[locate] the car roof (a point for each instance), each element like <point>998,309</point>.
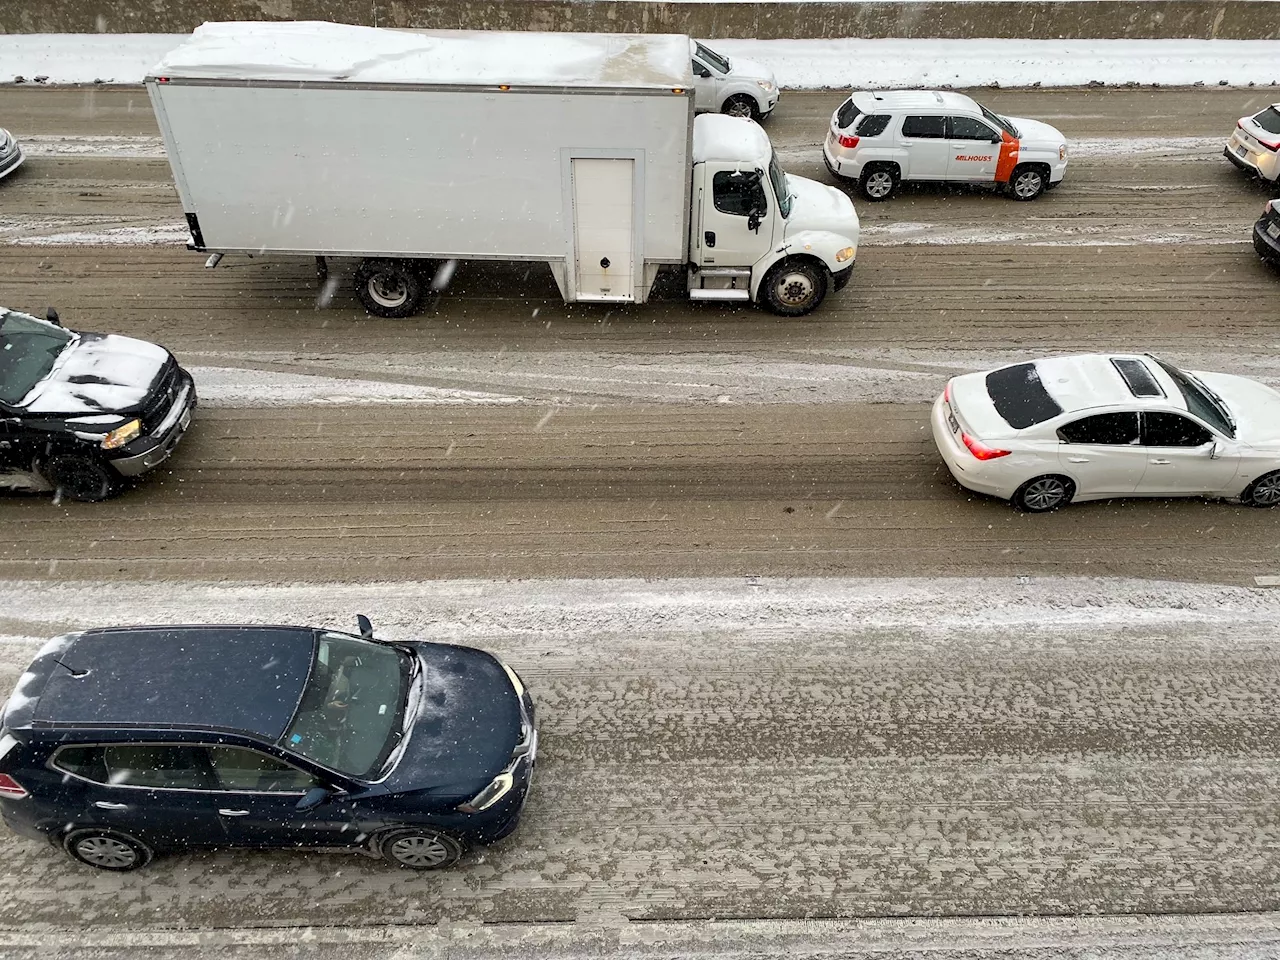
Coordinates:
<point>877,101</point>
<point>718,136</point>
<point>1093,380</point>
<point>247,679</point>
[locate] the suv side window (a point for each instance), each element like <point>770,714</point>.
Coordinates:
<point>241,769</point>
<point>1172,430</point>
<point>86,762</point>
<point>1111,429</point>
<point>847,114</point>
<point>737,193</point>
<point>165,765</point>
<point>874,124</point>
<point>932,128</point>
<point>967,128</point>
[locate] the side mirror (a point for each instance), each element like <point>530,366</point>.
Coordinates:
<point>753,221</point>
<point>366,628</point>
<point>313,798</point>
<point>1215,450</point>
<point>52,316</point>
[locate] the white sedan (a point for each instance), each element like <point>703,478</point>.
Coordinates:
<point>1045,433</point>
<point>10,153</point>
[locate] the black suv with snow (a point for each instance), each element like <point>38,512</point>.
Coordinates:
<point>81,413</point>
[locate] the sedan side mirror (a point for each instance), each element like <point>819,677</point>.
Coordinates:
<point>313,798</point>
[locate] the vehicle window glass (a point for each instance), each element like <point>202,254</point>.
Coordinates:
<point>1173,430</point>
<point>847,114</point>
<point>1112,429</point>
<point>967,128</point>
<point>699,70</point>
<point>87,762</point>
<point>1019,396</point>
<point>710,56</point>
<point>781,188</point>
<point>1001,122</point>
<point>157,765</point>
<point>1200,400</point>
<point>238,768</point>
<point>351,711</point>
<point>1269,120</point>
<point>28,349</point>
<point>737,193</point>
<point>873,124</point>
<point>933,128</point>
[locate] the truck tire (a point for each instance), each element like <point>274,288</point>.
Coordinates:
<point>389,288</point>
<point>742,105</point>
<point>794,286</point>
<point>79,477</point>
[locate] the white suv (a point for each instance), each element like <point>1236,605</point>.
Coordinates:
<point>1254,145</point>
<point>881,139</point>
<point>741,88</point>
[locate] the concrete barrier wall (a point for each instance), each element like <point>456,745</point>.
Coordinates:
<point>1015,19</point>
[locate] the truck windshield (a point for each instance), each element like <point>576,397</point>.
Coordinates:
<point>781,189</point>
<point>713,58</point>
<point>350,716</point>
<point>28,350</point>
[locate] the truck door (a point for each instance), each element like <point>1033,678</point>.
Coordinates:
<point>736,217</point>
<point>603,228</point>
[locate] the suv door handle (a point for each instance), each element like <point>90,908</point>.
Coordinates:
<point>108,805</point>
<point>233,813</point>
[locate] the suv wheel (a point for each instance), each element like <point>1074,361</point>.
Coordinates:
<point>878,182</point>
<point>421,849</point>
<point>107,850</point>
<point>80,478</point>
<point>1027,182</point>
<point>741,105</point>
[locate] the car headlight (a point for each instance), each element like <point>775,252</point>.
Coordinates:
<point>498,788</point>
<point>765,85</point>
<point>1062,152</point>
<point>122,435</point>
<point>845,254</point>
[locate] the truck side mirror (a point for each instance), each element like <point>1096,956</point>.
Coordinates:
<point>753,221</point>
<point>52,316</point>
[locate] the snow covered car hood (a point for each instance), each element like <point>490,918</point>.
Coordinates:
<point>1034,133</point>
<point>1255,406</point>
<point>741,68</point>
<point>99,374</point>
<point>817,206</point>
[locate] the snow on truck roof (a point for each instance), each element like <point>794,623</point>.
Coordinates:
<point>324,51</point>
<point>718,136</point>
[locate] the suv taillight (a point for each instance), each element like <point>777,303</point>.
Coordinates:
<point>847,141</point>
<point>980,449</point>
<point>11,788</point>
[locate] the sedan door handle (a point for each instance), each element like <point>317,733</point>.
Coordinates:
<point>1162,461</point>
<point>1077,459</point>
<point>108,805</point>
<point>233,813</point>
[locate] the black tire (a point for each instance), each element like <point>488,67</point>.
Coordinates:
<point>390,288</point>
<point>879,181</point>
<point>1263,492</point>
<point>78,477</point>
<point>1028,182</point>
<point>420,848</point>
<point>107,849</point>
<point>742,105</point>
<point>1044,494</point>
<point>794,287</point>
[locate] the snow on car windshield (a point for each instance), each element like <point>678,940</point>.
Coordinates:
<point>28,349</point>
<point>1019,396</point>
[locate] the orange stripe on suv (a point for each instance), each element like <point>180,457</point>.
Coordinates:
<point>1008,157</point>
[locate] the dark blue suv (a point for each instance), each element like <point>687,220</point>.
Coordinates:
<point>121,742</point>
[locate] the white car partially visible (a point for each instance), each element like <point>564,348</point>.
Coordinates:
<point>1049,432</point>
<point>1254,145</point>
<point>10,153</point>
<point>738,87</point>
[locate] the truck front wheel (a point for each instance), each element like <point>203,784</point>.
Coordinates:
<point>794,287</point>
<point>389,288</point>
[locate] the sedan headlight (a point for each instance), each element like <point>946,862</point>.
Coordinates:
<point>122,435</point>
<point>845,254</point>
<point>498,788</point>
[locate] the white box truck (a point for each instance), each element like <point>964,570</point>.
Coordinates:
<point>405,149</point>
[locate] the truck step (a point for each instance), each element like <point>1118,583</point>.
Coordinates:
<point>700,294</point>
<point>724,272</point>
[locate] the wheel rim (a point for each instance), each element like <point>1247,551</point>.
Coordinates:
<point>106,852</point>
<point>1267,491</point>
<point>739,108</point>
<point>879,184</point>
<point>420,851</point>
<point>1044,494</point>
<point>795,289</point>
<point>388,290</point>
<point>1027,185</point>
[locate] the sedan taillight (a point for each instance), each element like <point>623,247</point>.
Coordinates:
<point>980,450</point>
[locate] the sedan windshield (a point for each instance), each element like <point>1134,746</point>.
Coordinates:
<point>28,350</point>
<point>1001,122</point>
<point>1201,401</point>
<point>349,717</point>
<point>713,58</point>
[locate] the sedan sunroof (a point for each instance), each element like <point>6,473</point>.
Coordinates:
<point>1137,377</point>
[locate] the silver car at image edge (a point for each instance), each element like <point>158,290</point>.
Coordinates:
<point>11,155</point>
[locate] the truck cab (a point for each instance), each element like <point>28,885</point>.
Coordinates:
<point>759,234</point>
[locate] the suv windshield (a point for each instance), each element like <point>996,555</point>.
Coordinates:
<point>1201,401</point>
<point>350,716</point>
<point>713,58</point>
<point>1001,122</point>
<point>28,350</point>
<point>781,189</point>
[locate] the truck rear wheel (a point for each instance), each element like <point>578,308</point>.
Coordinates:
<point>794,287</point>
<point>389,288</point>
